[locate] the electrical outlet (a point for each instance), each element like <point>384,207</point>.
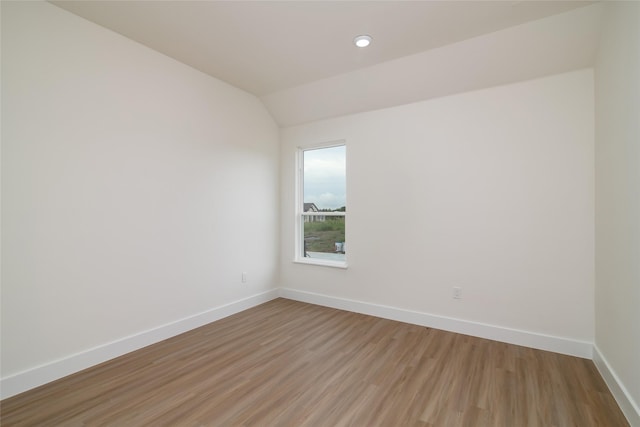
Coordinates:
<point>457,292</point>
<point>244,277</point>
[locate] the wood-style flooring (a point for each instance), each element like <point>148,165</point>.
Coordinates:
<point>287,363</point>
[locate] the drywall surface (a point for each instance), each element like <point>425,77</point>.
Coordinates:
<point>490,191</point>
<point>548,46</point>
<point>135,190</point>
<point>617,89</point>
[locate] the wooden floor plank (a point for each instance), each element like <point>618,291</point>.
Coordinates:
<point>287,363</point>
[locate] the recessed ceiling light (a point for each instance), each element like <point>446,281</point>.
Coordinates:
<point>362,41</point>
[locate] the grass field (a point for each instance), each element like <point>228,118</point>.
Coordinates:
<point>321,236</point>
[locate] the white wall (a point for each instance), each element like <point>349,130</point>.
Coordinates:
<point>617,308</point>
<point>135,190</point>
<point>548,46</point>
<point>490,190</point>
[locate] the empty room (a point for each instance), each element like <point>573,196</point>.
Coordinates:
<point>320,213</point>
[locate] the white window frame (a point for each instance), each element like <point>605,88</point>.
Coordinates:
<point>299,209</point>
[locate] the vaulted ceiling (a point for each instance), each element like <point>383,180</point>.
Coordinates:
<point>298,56</point>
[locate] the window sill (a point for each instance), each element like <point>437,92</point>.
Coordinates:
<point>321,262</point>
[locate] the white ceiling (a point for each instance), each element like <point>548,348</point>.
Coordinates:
<point>278,50</point>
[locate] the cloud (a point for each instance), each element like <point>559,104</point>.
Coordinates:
<point>325,177</point>
<point>326,200</point>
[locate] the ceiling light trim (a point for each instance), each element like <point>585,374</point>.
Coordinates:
<point>362,40</point>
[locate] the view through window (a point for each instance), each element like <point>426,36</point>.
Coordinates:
<point>324,205</point>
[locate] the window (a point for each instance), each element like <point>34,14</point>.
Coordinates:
<point>322,205</point>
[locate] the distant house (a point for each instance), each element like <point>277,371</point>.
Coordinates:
<point>311,207</point>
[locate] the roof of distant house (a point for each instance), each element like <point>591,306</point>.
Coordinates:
<point>310,207</point>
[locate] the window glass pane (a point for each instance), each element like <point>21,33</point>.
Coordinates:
<point>324,190</point>
<point>325,239</point>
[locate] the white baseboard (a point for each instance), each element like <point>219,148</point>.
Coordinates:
<point>561,345</point>
<point>37,376</point>
<point>629,408</point>
<point>34,377</point>
<point>497,333</point>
